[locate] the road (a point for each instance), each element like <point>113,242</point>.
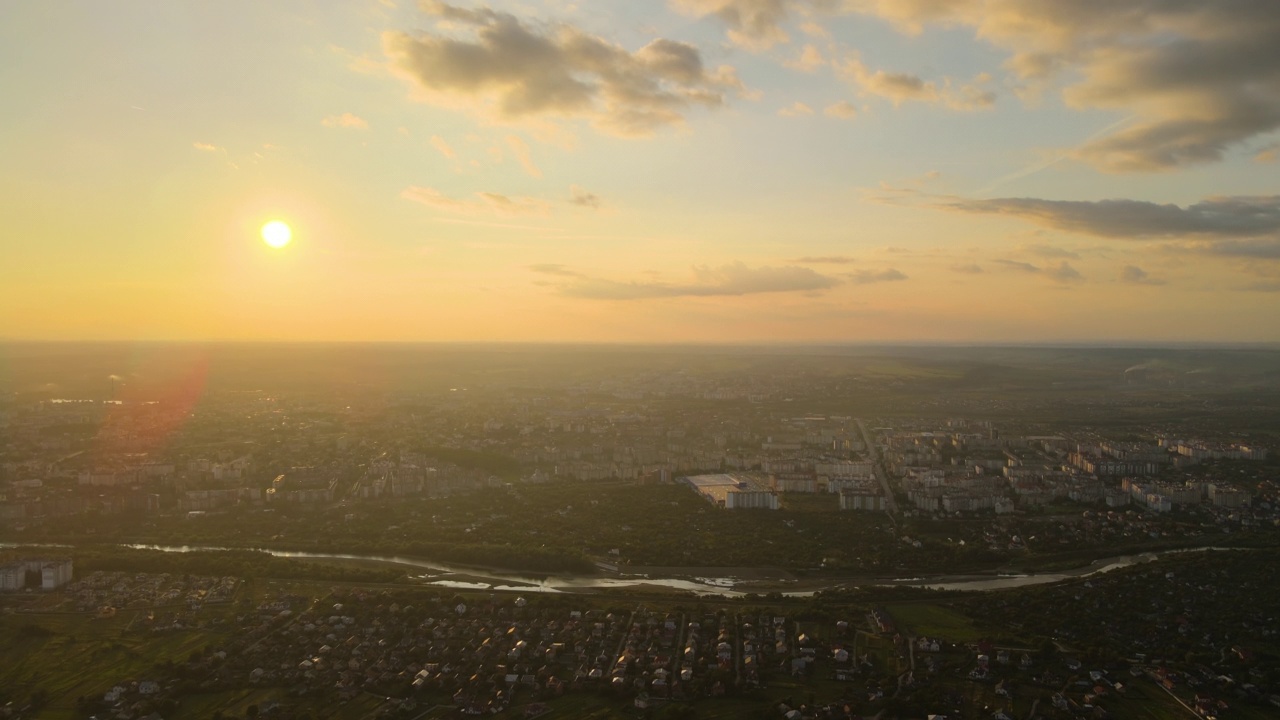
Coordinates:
<point>881,474</point>
<point>622,643</point>
<point>737,648</point>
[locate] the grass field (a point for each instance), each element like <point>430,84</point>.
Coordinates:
<point>234,705</point>
<point>935,621</point>
<point>74,655</point>
<point>70,655</point>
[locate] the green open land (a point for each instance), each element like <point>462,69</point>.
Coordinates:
<point>935,621</point>
<point>70,655</point>
<point>53,659</point>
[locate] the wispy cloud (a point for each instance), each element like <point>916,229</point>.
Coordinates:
<point>900,87</point>
<point>1061,272</point>
<point>521,150</point>
<point>580,197</point>
<point>555,269</point>
<point>796,109</point>
<point>734,279</point>
<point>1048,251</point>
<point>866,277</point>
<point>491,224</point>
<point>345,120</point>
<point>208,147</point>
<point>482,203</point>
<point>1249,249</point>
<point>842,110</point>
<point>443,147</point>
<point>809,60</point>
<point>1055,158</point>
<point>832,259</point>
<point>1134,275</point>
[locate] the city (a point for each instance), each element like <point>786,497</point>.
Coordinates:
<point>673,542</point>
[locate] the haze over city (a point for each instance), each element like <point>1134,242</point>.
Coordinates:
<point>683,171</point>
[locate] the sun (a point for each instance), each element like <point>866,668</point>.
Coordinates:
<point>276,234</point>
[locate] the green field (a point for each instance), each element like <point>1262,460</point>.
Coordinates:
<point>71,655</point>
<point>934,621</point>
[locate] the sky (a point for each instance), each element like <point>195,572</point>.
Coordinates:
<point>622,171</point>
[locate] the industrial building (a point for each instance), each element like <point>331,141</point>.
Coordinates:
<point>54,573</point>
<point>862,501</point>
<point>13,576</point>
<point>734,492</point>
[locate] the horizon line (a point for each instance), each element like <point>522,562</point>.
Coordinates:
<point>919,343</point>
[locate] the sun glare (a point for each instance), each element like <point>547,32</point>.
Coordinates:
<point>276,234</point>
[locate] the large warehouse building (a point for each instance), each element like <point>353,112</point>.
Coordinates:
<point>734,492</point>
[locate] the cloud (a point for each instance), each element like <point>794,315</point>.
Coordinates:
<point>809,60</point>
<point>497,67</point>
<point>796,109</point>
<point>1018,265</point>
<point>1048,251</point>
<point>580,197</point>
<point>815,30</point>
<point>484,203</point>
<point>968,268</point>
<point>904,87</point>
<point>1214,217</point>
<point>1249,249</point>
<point>895,87</point>
<point>970,96</point>
<point>866,277</point>
<point>345,120</point>
<point>445,149</point>
<point>1137,276</point>
<point>207,147</point>
<point>832,259</point>
<point>753,24</point>
<point>843,110</point>
<point>521,151</point>
<point>1200,77</point>
<point>727,280</point>
<point>1060,272</point>
<point>1263,287</point>
<point>1268,154</point>
<point>555,269</point>
<point>1055,158</point>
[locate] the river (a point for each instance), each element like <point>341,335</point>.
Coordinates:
<point>471,578</point>
<point>474,578</point>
